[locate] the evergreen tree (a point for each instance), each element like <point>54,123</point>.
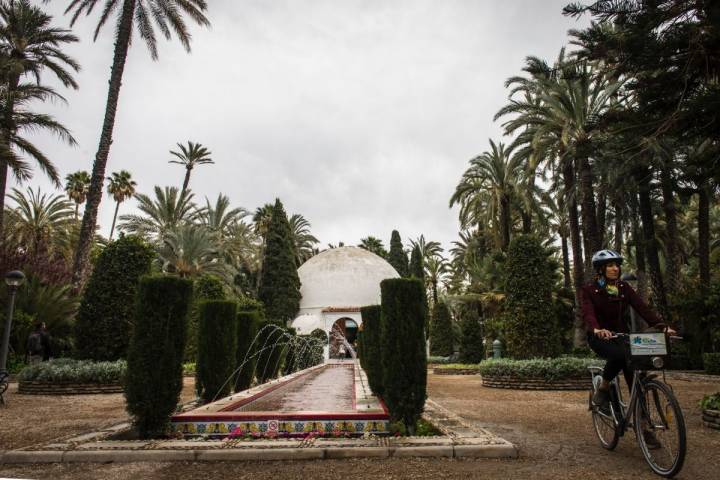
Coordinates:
<point>207,287</point>
<point>104,320</point>
<point>217,341</point>
<point>417,267</point>
<point>471,335</point>
<point>371,347</point>
<point>279,285</point>
<point>397,257</point>
<point>441,334</point>
<point>247,328</point>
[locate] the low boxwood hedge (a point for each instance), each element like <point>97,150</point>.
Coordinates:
<point>547,369</point>
<point>66,370</point>
<point>711,402</point>
<point>711,361</point>
<point>461,366</point>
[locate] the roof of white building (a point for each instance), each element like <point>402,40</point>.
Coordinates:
<point>343,277</point>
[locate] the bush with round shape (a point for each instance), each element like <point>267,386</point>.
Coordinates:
<point>531,329</point>
<point>217,340</point>
<point>372,350</point>
<point>155,355</point>
<point>404,360</point>
<point>441,331</point>
<point>105,319</point>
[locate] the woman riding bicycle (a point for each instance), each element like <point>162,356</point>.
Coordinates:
<point>604,303</point>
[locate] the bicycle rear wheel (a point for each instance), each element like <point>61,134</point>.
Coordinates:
<point>605,425</point>
<point>658,412</point>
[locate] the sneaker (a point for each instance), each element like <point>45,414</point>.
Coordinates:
<point>651,440</point>
<point>601,399</point>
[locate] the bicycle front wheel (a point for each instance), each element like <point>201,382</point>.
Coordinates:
<point>660,429</point>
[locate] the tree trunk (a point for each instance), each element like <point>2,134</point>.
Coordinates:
<point>672,263</point>
<point>602,211</point>
<point>704,234</point>
<point>186,182</point>
<point>526,221</point>
<point>434,290</point>
<point>575,242</point>
<point>651,248</point>
<point>3,186</point>
<point>112,228</point>
<point>639,250</point>
<point>504,222</point>
<point>87,230</point>
<point>566,262</point>
<point>618,234</point>
<point>6,132</point>
<point>591,233</point>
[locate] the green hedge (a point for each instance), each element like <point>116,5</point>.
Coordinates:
<point>245,359</point>
<point>155,355</point>
<point>217,340</point>
<point>711,361</point>
<point>711,402</point>
<point>207,287</point>
<point>66,370</point>
<point>471,349</point>
<point>371,347</point>
<point>441,332</point>
<point>547,369</point>
<point>104,321</point>
<point>404,360</point>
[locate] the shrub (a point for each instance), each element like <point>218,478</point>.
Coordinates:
<point>397,257</point>
<point>189,369</point>
<point>404,361</point>
<point>245,359</point>
<point>271,344</point>
<point>279,288</point>
<point>207,287</point>
<point>531,329</point>
<point>710,402</point>
<point>548,369</point>
<point>471,333</point>
<point>441,337</point>
<point>712,363</point>
<point>66,370</point>
<point>371,347</point>
<point>104,321</point>
<point>439,360</point>
<point>154,378</point>
<point>217,340</point>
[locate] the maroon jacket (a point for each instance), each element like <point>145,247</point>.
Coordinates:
<point>601,310</point>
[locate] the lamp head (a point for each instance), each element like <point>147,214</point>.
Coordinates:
<point>14,278</point>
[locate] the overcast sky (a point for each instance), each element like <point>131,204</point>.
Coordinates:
<point>361,115</point>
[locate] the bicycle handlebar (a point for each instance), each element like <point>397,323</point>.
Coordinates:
<point>627,335</point>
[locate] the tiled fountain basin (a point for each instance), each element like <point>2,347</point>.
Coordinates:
<point>332,398</point>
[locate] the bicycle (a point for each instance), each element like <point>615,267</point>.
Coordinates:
<point>652,406</point>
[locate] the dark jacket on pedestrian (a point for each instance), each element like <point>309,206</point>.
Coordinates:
<point>602,310</point>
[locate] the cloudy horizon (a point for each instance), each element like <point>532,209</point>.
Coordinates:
<point>359,115</point>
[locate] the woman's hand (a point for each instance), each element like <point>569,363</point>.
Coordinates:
<point>602,333</point>
<point>670,331</point>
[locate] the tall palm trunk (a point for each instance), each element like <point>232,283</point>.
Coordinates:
<point>591,233</point>
<point>186,182</point>
<point>704,234</point>
<point>505,218</point>
<point>87,231</point>
<point>566,261</point>
<point>434,291</point>
<point>618,233</point>
<point>651,248</point>
<point>672,264</point>
<point>112,228</point>
<point>639,249</point>
<point>6,132</point>
<point>576,243</point>
<point>526,221</point>
<point>602,211</point>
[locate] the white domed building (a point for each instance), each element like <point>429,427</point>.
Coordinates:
<point>335,284</point>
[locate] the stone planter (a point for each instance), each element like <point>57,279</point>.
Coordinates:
<point>455,371</point>
<point>574,383</point>
<point>711,419</point>
<point>44,388</point>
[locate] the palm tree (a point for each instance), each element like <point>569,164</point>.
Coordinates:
<point>220,218</point>
<point>166,212</point>
<point>195,154</point>
<point>373,244</point>
<point>76,187</point>
<point>28,46</point>
<point>427,248</point>
<point>436,267</point>
<point>190,250</point>
<point>39,219</point>
<point>303,239</point>
<point>121,186</point>
<point>131,15</point>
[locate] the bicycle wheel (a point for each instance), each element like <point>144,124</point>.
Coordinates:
<point>605,425</point>
<point>658,412</point>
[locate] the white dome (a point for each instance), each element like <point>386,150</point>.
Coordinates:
<point>343,277</point>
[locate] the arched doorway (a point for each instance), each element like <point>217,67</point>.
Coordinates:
<point>343,334</point>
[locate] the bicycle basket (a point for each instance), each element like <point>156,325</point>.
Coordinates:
<point>644,347</point>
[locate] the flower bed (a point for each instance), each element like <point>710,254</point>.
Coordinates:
<point>457,369</point>
<point>72,377</point>
<point>564,373</point>
<point>711,411</point>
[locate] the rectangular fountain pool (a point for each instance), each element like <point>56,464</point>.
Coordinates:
<point>329,398</point>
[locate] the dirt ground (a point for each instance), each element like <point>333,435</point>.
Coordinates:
<point>552,430</point>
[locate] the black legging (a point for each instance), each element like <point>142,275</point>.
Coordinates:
<point>613,351</point>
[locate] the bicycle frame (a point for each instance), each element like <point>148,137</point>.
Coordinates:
<point>622,419</point>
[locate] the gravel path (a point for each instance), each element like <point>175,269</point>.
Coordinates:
<point>552,429</point>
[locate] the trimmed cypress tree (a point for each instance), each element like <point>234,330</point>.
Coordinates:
<point>397,257</point>
<point>104,321</point>
<point>279,284</point>
<point>245,361</point>
<point>531,329</point>
<point>271,345</point>
<point>417,267</point>
<point>471,335</point>
<point>154,374</point>
<point>371,347</point>
<point>441,334</point>
<point>217,340</point>
<point>404,361</point>
<point>207,287</point>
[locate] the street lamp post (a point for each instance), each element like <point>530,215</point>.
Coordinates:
<point>13,279</point>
